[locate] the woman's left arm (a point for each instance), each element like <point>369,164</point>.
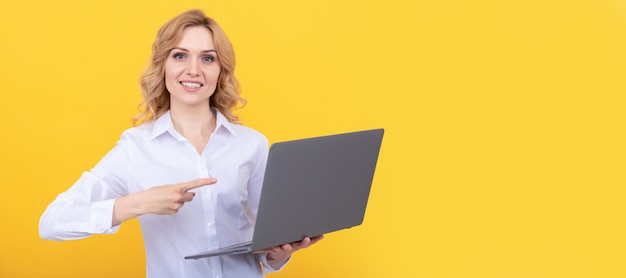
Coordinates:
<point>277,256</point>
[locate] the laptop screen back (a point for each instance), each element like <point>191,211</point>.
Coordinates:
<point>316,186</point>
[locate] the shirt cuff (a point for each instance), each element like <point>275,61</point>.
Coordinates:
<point>102,217</point>
<point>266,267</point>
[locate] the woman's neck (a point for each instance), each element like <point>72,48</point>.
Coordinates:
<point>194,124</point>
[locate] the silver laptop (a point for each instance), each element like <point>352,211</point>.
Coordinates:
<point>312,187</point>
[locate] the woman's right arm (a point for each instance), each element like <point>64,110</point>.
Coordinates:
<point>100,200</point>
<point>86,208</point>
<point>164,199</point>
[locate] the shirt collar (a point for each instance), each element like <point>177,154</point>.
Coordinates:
<point>164,124</point>
<point>222,121</point>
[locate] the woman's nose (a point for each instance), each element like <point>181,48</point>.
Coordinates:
<point>192,68</point>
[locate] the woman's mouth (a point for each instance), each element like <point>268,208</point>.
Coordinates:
<point>192,85</point>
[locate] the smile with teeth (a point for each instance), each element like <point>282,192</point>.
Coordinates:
<point>191,84</point>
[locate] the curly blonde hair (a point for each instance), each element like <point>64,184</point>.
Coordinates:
<point>156,98</point>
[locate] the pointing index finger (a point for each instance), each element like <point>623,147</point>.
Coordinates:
<point>197,183</point>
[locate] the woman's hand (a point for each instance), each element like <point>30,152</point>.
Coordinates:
<point>164,199</point>
<point>278,255</point>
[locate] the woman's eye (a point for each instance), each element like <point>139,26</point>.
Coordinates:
<point>179,56</point>
<point>208,59</point>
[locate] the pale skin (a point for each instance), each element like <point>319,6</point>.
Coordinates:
<point>191,73</point>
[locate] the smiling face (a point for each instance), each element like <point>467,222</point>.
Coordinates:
<point>192,69</point>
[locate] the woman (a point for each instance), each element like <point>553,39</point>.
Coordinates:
<point>189,172</point>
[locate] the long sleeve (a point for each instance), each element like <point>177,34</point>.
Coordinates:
<point>87,207</point>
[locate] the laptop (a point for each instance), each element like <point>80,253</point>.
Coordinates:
<point>311,187</point>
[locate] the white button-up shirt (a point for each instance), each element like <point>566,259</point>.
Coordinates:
<point>156,154</point>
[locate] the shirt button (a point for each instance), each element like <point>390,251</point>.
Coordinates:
<point>210,224</point>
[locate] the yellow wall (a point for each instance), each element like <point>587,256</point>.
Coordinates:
<point>504,154</point>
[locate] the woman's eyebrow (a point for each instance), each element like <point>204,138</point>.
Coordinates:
<point>185,50</point>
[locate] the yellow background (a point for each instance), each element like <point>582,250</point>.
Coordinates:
<point>504,149</point>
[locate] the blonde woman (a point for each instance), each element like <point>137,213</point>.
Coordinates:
<point>189,171</point>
